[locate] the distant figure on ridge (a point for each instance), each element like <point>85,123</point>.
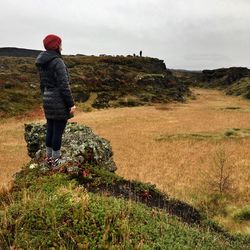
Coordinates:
<point>140,53</point>
<point>58,103</point>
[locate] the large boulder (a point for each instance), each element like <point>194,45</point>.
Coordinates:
<point>79,143</point>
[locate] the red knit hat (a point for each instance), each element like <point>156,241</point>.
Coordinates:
<point>52,42</point>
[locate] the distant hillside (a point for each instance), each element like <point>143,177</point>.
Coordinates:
<point>18,52</point>
<point>224,76</point>
<point>234,80</point>
<point>96,82</point>
<point>185,71</point>
<point>188,78</point>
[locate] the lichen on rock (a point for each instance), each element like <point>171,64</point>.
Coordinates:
<point>79,144</point>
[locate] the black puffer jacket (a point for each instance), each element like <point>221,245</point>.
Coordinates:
<point>54,83</point>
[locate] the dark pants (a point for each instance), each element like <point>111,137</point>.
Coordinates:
<point>54,133</point>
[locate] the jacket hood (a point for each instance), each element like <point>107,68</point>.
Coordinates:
<point>46,56</point>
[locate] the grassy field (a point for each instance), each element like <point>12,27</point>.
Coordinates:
<point>58,212</point>
<point>197,152</point>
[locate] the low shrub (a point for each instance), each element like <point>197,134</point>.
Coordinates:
<point>243,214</point>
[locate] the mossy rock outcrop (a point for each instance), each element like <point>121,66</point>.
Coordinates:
<point>79,143</point>
<point>233,81</point>
<point>111,79</point>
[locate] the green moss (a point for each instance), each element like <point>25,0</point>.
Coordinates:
<point>54,212</point>
<point>14,102</point>
<point>240,87</point>
<point>229,133</point>
<point>242,214</point>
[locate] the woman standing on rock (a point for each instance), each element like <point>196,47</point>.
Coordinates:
<point>58,103</point>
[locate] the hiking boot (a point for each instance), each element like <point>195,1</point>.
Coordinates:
<point>57,162</point>
<point>48,161</point>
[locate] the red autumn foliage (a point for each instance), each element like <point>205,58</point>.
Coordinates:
<point>85,173</point>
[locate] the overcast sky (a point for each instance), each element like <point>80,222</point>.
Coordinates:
<point>188,34</point>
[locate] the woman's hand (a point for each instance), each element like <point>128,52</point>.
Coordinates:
<point>72,109</point>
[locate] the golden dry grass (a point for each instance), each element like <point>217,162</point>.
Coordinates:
<point>13,153</point>
<point>179,167</point>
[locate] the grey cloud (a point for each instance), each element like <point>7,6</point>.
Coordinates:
<point>192,34</point>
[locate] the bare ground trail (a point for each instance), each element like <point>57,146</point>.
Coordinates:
<point>179,167</point>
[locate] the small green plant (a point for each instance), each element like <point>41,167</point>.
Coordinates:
<point>87,109</point>
<point>243,214</point>
<point>232,108</point>
<point>229,133</point>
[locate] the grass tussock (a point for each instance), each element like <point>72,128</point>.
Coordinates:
<point>243,214</point>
